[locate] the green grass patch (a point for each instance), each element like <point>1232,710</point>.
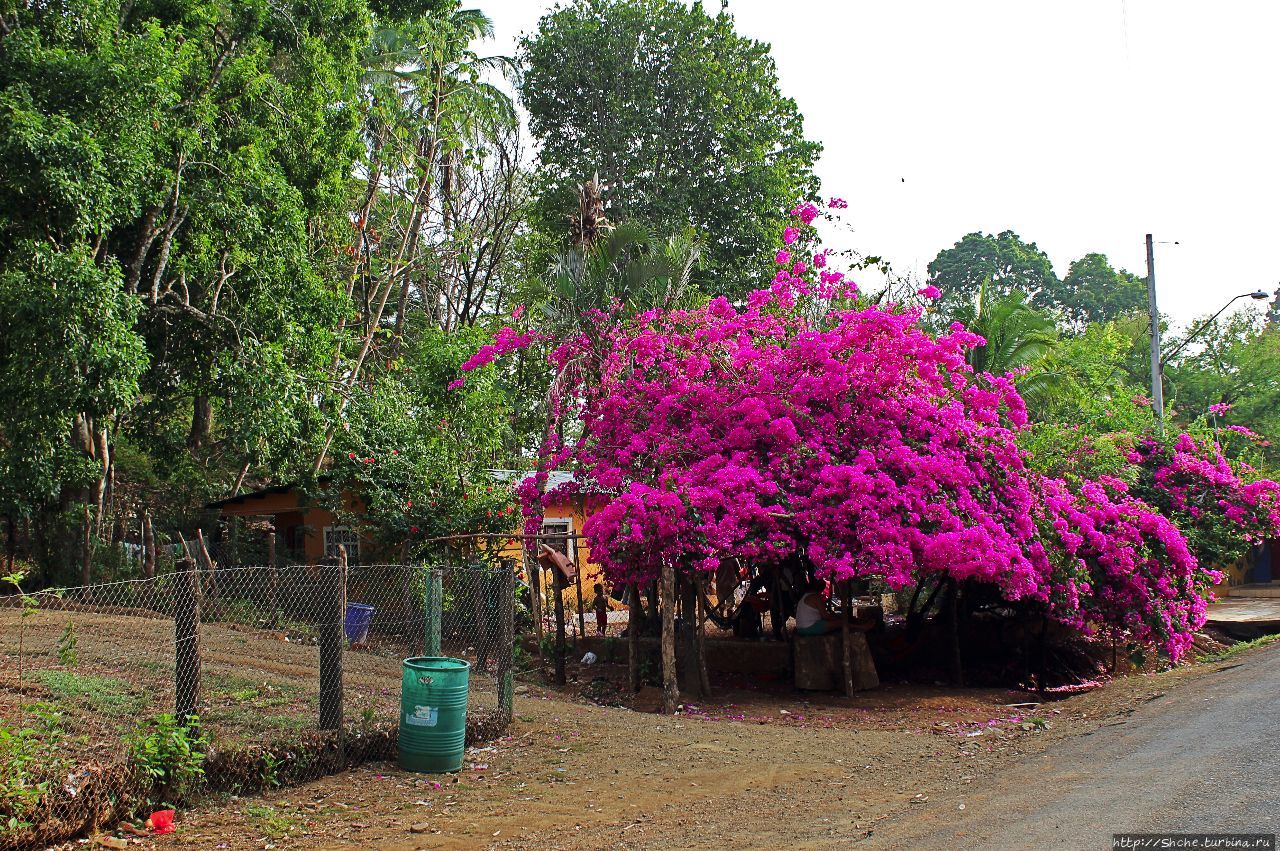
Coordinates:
<point>272,822</point>
<point>1239,648</point>
<point>105,695</point>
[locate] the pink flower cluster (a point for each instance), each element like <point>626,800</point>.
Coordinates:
<point>854,439</point>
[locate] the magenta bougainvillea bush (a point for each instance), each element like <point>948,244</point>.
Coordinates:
<point>807,423</point>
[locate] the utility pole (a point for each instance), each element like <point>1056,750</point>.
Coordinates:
<point>1157,374</point>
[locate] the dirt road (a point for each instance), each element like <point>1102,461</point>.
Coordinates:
<point>1203,758</point>
<point>749,771</point>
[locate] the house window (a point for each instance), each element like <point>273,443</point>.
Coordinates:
<point>335,536</point>
<point>564,545</point>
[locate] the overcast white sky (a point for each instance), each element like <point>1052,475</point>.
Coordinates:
<point>1080,125</point>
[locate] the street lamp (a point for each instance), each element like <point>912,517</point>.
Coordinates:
<point>1256,295</point>
<point>1158,359</point>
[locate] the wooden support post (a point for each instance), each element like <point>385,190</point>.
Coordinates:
<point>148,546</point>
<point>533,571</point>
<point>582,622</point>
<point>186,641</point>
<point>557,586</point>
<point>212,597</point>
<point>433,612</point>
<point>634,618</point>
<point>957,663</point>
<point>700,640</point>
<point>506,589</point>
<point>847,654</point>
<point>332,613</point>
<point>273,578</point>
<point>667,602</point>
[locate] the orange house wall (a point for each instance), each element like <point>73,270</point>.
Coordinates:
<point>314,520</point>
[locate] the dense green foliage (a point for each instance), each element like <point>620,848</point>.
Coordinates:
<point>682,119</point>
<point>253,243</point>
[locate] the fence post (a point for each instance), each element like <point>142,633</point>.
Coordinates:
<point>186,641</point>
<point>558,585</point>
<point>506,589</point>
<point>273,577</point>
<point>433,611</point>
<point>332,614</point>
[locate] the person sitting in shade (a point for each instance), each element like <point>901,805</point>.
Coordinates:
<point>815,617</point>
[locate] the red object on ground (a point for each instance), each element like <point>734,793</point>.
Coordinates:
<point>162,821</point>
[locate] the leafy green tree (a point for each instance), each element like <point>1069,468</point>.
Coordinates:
<point>420,453</point>
<point>1234,362</point>
<point>1004,263</point>
<point>1094,291</point>
<point>195,157</point>
<point>682,119</point>
<point>1090,410</point>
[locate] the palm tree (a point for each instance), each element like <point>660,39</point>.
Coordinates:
<point>620,266</point>
<point>1017,338</point>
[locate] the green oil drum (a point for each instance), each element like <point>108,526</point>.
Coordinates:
<point>433,714</point>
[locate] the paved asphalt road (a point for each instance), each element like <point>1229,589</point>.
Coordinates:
<point>1203,758</point>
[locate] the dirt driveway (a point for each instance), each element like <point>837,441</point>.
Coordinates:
<point>748,771</point>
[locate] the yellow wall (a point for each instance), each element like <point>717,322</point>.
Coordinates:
<point>589,573</point>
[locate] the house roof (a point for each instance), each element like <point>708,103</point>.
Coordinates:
<point>555,478</point>
<point>260,493</point>
<point>245,498</point>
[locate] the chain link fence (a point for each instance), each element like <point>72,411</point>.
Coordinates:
<point>123,696</point>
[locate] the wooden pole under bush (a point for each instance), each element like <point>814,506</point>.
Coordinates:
<point>557,586</point>
<point>332,612</point>
<point>186,641</point>
<point>847,591</point>
<point>582,622</point>
<point>700,640</point>
<point>634,619</point>
<point>667,602</point>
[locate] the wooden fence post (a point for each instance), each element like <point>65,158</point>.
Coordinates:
<point>506,589</point>
<point>212,599</point>
<point>433,611</point>
<point>332,615</point>
<point>186,641</point>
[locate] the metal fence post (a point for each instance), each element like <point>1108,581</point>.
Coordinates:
<point>433,611</point>
<point>505,588</point>
<point>186,641</point>
<point>273,590</point>
<point>332,614</point>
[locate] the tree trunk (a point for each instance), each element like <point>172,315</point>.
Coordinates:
<point>148,546</point>
<point>667,602</point>
<point>11,543</point>
<point>201,431</point>
<point>700,646</point>
<point>86,548</point>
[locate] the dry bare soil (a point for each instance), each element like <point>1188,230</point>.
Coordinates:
<point>745,771</point>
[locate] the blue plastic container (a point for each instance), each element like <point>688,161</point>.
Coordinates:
<point>359,616</point>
